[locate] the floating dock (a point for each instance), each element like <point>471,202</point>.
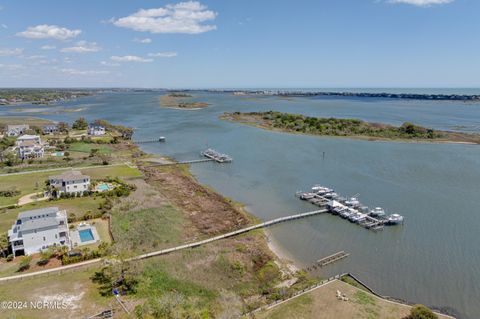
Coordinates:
<point>351,208</point>
<point>216,156</point>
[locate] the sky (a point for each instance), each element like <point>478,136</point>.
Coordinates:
<point>240,43</point>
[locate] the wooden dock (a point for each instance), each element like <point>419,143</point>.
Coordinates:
<point>203,160</point>
<point>332,258</point>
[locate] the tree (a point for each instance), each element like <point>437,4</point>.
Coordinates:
<point>80,124</point>
<point>63,127</point>
<point>421,312</point>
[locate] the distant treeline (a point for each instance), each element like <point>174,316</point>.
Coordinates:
<point>336,126</point>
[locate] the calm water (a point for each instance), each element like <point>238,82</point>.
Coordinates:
<point>433,259</point>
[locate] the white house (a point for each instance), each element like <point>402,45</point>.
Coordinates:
<point>29,146</point>
<point>71,182</point>
<point>38,229</point>
<point>16,130</point>
<point>96,130</point>
<point>50,129</point>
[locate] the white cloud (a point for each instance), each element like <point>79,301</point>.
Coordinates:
<point>82,47</point>
<point>106,63</point>
<point>130,58</point>
<point>163,55</point>
<point>11,67</point>
<point>48,47</point>
<point>184,17</point>
<point>83,72</point>
<point>34,57</point>
<point>45,31</point>
<point>10,52</point>
<point>4,26</point>
<point>422,3</point>
<point>144,41</point>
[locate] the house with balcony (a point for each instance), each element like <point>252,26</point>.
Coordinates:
<point>50,129</point>
<point>70,182</point>
<point>96,130</point>
<point>16,130</point>
<point>29,146</point>
<point>37,230</point>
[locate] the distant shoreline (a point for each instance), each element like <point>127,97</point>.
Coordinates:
<point>262,120</point>
<point>386,95</point>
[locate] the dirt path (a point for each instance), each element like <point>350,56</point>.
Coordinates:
<point>30,198</point>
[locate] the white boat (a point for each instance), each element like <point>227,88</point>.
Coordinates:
<point>357,217</point>
<point>352,202</point>
<point>378,212</point>
<point>395,219</point>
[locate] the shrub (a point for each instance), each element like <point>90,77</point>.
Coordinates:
<point>10,257</point>
<point>25,263</point>
<point>421,312</point>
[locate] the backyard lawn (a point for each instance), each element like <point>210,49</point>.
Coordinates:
<point>35,182</point>
<point>87,148</point>
<point>75,288</point>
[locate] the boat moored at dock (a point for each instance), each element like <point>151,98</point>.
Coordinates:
<point>350,209</point>
<point>216,156</point>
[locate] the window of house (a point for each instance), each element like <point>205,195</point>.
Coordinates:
<point>44,239</point>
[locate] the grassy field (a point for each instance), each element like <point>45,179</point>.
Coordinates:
<point>75,288</point>
<point>322,303</point>
<point>35,182</point>
<point>87,148</point>
<point>161,227</point>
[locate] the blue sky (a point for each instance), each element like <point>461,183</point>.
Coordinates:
<point>240,43</point>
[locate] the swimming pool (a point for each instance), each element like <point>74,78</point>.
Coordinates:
<point>86,235</point>
<point>103,187</point>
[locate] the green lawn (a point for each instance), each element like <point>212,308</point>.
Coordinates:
<point>35,182</point>
<point>78,206</point>
<point>87,147</point>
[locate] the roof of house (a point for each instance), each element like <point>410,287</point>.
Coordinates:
<point>70,176</point>
<point>28,143</point>
<point>36,212</point>
<point>17,126</point>
<point>38,223</point>
<point>27,137</point>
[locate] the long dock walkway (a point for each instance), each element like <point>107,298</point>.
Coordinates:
<point>173,249</point>
<point>203,160</point>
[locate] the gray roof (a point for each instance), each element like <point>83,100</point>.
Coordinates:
<point>35,212</point>
<point>70,176</point>
<point>38,223</point>
<point>17,126</point>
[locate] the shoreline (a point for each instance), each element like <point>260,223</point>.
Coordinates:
<point>281,254</point>
<point>352,137</point>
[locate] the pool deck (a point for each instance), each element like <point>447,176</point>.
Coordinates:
<point>75,235</point>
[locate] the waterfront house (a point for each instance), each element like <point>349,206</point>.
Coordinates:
<point>16,130</point>
<point>96,130</point>
<point>36,230</point>
<point>71,182</point>
<point>29,146</point>
<point>50,129</point>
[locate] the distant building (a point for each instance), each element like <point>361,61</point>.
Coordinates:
<point>16,130</point>
<point>96,130</point>
<point>38,229</point>
<point>71,182</point>
<point>29,146</point>
<point>50,129</point>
